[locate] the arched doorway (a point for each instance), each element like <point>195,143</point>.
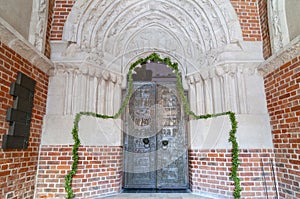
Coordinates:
<point>155,140</point>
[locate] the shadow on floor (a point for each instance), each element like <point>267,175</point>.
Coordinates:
<point>156,191</point>
<point>155,196</point>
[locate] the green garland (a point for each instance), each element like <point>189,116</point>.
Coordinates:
<point>155,58</point>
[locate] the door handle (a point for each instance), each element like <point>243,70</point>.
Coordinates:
<point>165,144</point>
<point>146,142</point>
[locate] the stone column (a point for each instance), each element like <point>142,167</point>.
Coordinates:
<point>242,99</point>
<point>110,94</point>
<point>199,95</point>
<point>98,92</point>
<point>192,94</point>
<point>216,86</point>
<point>92,91</point>
<point>207,92</point>
<point>103,93</point>
<point>117,95</point>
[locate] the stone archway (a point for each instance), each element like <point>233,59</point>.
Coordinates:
<point>102,38</point>
<point>155,134</point>
<point>112,34</point>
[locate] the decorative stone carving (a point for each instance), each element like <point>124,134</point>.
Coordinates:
<point>16,42</point>
<point>38,24</point>
<point>278,25</point>
<point>283,56</point>
<point>224,88</point>
<point>126,30</point>
<point>77,87</point>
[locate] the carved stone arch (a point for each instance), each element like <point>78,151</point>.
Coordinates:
<point>82,10</point>
<point>150,16</point>
<point>161,31</point>
<point>181,31</point>
<point>113,34</point>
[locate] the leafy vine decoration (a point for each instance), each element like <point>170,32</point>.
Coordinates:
<point>155,58</point>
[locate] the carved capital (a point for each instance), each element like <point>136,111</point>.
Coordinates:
<point>113,78</point>
<point>191,79</point>
<point>106,75</point>
<point>119,80</point>
<point>197,77</point>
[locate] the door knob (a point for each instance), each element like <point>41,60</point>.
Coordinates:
<point>165,144</point>
<point>146,142</point>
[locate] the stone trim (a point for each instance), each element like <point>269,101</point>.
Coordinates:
<point>279,34</point>
<point>38,24</point>
<point>10,37</point>
<point>283,56</point>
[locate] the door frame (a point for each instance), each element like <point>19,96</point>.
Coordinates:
<point>186,137</point>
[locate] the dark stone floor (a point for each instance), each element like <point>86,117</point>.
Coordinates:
<point>156,191</point>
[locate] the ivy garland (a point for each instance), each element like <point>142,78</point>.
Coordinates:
<point>155,58</point>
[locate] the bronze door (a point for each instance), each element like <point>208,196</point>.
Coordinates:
<point>155,145</point>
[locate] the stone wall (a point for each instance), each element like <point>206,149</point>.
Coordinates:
<point>17,14</point>
<point>292,17</point>
<point>18,167</point>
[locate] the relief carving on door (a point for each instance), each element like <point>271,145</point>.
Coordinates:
<point>155,143</point>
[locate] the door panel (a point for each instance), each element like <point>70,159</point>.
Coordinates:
<point>171,139</point>
<point>140,139</point>
<point>155,146</point>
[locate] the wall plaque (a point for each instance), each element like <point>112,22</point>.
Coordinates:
<point>19,116</point>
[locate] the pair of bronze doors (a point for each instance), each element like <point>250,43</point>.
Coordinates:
<point>155,143</point>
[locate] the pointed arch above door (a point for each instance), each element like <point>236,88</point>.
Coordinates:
<point>115,33</point>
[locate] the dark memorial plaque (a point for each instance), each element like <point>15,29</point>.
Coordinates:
<point>19,116</point>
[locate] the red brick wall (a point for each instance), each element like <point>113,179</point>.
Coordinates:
<point>283,100</point>
<point>18,167</point>
<point>210,170</point>
<point>263,13</point>
<point>61,11</point>
<point>48,31</point>
<point>99,171</point>
<point>248,14</point>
